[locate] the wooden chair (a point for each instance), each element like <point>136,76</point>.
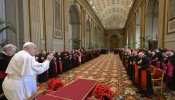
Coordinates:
<point>157,80</point>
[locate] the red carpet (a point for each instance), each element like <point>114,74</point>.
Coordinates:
<point>77,90</point>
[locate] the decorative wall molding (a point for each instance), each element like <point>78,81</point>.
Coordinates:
<point>57,19</point>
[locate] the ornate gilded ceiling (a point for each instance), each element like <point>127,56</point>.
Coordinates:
<point>112,13</point>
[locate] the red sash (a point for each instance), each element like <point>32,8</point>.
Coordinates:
<point>61,67</point>
<point>136,69</point>
<point>143,79</point>
<point>2,74</point>
<point>55,65</point>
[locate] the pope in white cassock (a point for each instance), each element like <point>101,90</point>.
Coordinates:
<point>20,82</point>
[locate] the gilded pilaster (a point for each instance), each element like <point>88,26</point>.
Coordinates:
<point>142,22</point>
<point>164,23</point>
<point>83,26</point>
<point>98,37</point>
<point>92,33</point>
<point>134,27</point>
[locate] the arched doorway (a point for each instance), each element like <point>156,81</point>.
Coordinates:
<point>152,19</point>
<point>88,34</point>
<point>114,41</point>
<point>74,24</point>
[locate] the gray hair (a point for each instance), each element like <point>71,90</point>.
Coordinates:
<point>8,47</point>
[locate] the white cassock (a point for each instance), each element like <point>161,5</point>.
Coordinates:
<point>20,82</point>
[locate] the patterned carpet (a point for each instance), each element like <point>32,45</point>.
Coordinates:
<point>108,69</point>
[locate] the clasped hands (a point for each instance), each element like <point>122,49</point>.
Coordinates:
<point>140,61</point>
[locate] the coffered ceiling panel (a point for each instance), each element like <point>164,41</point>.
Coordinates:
<point>112,13</point>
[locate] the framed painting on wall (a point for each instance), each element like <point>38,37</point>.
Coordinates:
<point>57,19</point>
<point>171,17</point>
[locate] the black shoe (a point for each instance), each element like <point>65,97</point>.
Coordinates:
<point>143,95</point>
<point>138,92</point>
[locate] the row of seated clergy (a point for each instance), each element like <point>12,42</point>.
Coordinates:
<point>136,67</point>
<point>104,51</point>
<point>63,61</point>
<point>156,81</point>
<point>157,76</point>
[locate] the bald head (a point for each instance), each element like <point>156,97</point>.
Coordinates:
<point>141,54</point>
<point>134,53</point>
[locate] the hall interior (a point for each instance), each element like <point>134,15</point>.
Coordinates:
<point>96,24</point>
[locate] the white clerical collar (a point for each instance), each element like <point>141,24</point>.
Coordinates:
<point>4,53</point>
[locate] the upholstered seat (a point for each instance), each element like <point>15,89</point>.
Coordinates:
<point>152,70</point>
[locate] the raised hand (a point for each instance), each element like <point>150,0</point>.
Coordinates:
<point>50,57</point>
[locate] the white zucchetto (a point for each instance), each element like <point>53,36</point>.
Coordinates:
<point>26,44</point>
